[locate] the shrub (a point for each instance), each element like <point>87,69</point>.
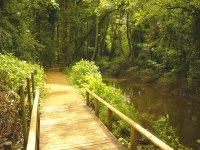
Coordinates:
<point>83,71</point>
<point>13,73</point>
<point>16,71</point>
<point>166,133</point>
<point>115,66</point>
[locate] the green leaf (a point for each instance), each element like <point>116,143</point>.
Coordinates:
<point>198,141</point>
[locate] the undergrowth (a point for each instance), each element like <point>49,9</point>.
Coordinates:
<point>13,73</point>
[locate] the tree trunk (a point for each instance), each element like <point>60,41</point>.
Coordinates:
<point>85,37</point>
<point>128,33</point>
<point>102,42</point>
<point>96,38</point>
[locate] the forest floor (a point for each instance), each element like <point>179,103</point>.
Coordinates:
<point>59,91</point>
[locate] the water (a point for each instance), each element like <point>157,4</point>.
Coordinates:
<point>184,113</point>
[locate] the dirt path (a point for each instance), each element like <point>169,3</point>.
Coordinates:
<point>59,91</point>
<point>66,122</point>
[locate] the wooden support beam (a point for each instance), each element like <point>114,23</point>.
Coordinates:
<point>33,84</point>
<point>38,129</point>
<point>29,93</point>
<point>96,107</point>
<point>109,119</point>
<point>87,99</point>
<point>23,112</point>
<point>133,139</point>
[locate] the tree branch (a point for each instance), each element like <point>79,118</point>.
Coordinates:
<point>82,41</point>
<point>190,9</point>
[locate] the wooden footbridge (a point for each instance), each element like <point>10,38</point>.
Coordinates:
<point>65,121</point>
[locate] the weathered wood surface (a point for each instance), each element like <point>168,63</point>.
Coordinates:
<point>33,137</point>
<point>67,123</point>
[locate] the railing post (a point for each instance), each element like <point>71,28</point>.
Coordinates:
<point>87,99</point>
<point>96,107</point>
<point>7,145</point>
<point>38,130</point>
<point>33,84</point>
<point>110,120</point>
<point>29,94</point>
<point>133,139</point>
<point>23,112</point>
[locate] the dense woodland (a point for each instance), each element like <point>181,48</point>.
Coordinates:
<point>160,38</point>
<point>156,40</point>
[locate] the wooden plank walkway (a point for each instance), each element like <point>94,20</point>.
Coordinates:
<point>67,123</point>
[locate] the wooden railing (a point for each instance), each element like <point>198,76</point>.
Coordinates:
<point>133,125</point>
<point>33,138</point>
<point>27,94</point>
<point>26,101</point>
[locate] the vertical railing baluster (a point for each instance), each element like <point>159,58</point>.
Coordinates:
<point>133,138</point>
<point>29,94</point>
<point>38,128</point>
<point>96,107</point>
<point>87,99</point>
<point>23,112</point>
<point>110,120</point>
<point>33,84</point>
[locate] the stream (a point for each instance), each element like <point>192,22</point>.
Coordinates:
<point>184,113</point>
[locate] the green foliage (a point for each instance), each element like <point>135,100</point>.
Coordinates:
<point>198,141</point>
<point>17,71</point>
<point>39,78</point>
<point>86,74</point>
<point>157,68</point>
<point>115,66</point>
<point>167,40</point>
<point>142,60</point>
<point>22,32</point>
<point>158,35</point>
<point>83,72</point>
<point>13,73</point>
<point>167,133</point>
<point>194,72</point>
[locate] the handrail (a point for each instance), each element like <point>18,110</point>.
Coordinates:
<point>26,100</point>
<point>33,138</point>
<point>134,126</point>
<point>26,86</point>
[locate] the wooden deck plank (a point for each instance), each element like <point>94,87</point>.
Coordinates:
<point>67,123</point>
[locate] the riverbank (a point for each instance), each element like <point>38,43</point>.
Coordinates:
<point>156,106</point>
<point>166,83</point>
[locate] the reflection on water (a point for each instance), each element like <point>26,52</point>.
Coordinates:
<point>184,113</point>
